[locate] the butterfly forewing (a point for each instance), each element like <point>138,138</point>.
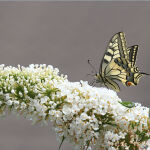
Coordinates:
<point>109,83</point>
<point>122,45</point>
<point>116,72</point>
<point>116,48</point>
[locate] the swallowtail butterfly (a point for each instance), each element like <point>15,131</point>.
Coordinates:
<point>118,64</point>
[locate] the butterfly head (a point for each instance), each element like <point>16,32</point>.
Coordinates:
<point>99,78</point>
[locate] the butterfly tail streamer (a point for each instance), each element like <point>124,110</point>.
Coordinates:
<point>145,73</point>
<point>85,116</point>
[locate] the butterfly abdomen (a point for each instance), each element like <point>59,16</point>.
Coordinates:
<point>100,79</point>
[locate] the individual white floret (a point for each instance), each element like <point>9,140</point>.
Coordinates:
<point>9,102</point>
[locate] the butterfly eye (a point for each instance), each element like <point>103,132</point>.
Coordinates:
<point>96,75</point>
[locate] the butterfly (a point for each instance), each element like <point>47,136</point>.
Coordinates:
<point>119,64</point>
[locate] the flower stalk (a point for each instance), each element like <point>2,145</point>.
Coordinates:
<point>89,117</point>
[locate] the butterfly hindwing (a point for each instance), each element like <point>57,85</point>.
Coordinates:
<point>132,54</point>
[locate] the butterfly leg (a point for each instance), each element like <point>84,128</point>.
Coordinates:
<point>90,74</point>
<point>94,84</point>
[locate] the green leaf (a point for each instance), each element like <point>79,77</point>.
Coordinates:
<point>127,104</point>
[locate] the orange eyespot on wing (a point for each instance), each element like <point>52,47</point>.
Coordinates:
<point>129,83</point>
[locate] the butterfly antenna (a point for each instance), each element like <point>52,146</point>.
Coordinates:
<point>90,74</point>
<point>89,62</point>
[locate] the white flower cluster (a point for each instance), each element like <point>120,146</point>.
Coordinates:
<point>89,117</point>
